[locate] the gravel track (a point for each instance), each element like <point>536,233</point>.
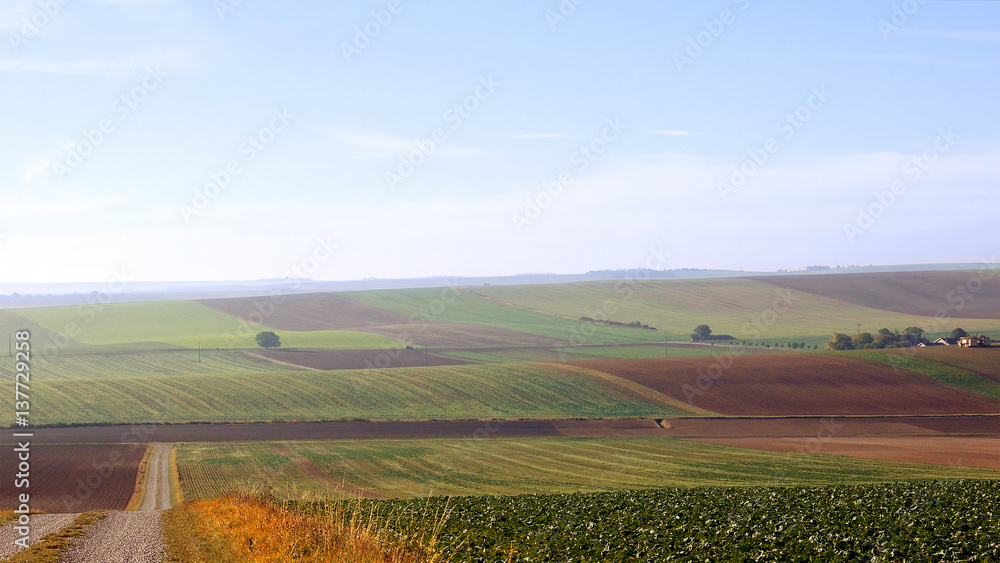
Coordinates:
<point>41,524</point>
<point>131,537</point>
<point>122,537</point>
<point>158,480</point>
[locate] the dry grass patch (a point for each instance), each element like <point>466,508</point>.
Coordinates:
<point>249,528</point>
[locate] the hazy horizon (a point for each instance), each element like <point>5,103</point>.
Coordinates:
<point>181,141</point>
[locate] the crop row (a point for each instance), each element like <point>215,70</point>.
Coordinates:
<point>927,521</point>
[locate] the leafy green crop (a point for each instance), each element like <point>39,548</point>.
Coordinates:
<point>922,521</point>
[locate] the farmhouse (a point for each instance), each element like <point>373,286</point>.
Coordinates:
<point>980,341</point>
<point>946,342</point>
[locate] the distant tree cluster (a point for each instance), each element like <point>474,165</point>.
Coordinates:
<point>792,345</point>
<point>885,338</point>
<point>634,324</point>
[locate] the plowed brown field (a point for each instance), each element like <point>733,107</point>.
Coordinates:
<point>911,293</point>
<point>959,451</point>
<point>74,478</point>
<point>796,384</point>
<point>813,427</point>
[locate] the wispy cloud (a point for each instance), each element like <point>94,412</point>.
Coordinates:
<point>545,136</point>
<point>372,144</point>
<point>671,133</point>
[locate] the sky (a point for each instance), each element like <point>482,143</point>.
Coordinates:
<point>170,140</point>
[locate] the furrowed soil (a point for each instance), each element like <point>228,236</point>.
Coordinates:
<point>75,478</point>
<point>796,384</point>
<point>912,293</point>
<point>958,451</point>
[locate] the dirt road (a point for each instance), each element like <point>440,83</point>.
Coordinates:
<point>158,480</point>
<point>131,537</point>
<point>122,537</point>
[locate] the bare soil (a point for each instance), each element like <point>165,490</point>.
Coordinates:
<point>913,293</point>
<point>796,384</point>
<point>964,451</point>
<point>75,478</point>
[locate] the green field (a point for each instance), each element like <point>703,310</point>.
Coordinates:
<point>727,305</point>
<point>152,364</point>
<point>464,307</point>
<point>442,467</point>
<point>446,392</point>
<point>746,309</point>
<point>918,522</point>
<point>640,352</point>
<point>164,325</point>
<point>582,354</point>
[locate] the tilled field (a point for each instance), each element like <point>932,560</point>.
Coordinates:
<point>796,384</point>
<point>958,451</point>
<point>75,478</point>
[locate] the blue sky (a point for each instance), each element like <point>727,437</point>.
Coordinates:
<point>249,140</point>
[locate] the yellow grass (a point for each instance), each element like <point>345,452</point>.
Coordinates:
<point>139,493</point>
<point>176,493</point>
<point>251,529</point>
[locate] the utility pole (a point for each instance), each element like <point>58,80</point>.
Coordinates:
<point>665,353</point>
<point>10,344</point>
<point>199,352</point>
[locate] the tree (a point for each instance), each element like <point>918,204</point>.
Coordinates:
<point>958,333</point>
<point>701,332</point>
<point>839,342</point>
<point>863,339</point>
<point>268,340</point>
<point>912,335</point>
